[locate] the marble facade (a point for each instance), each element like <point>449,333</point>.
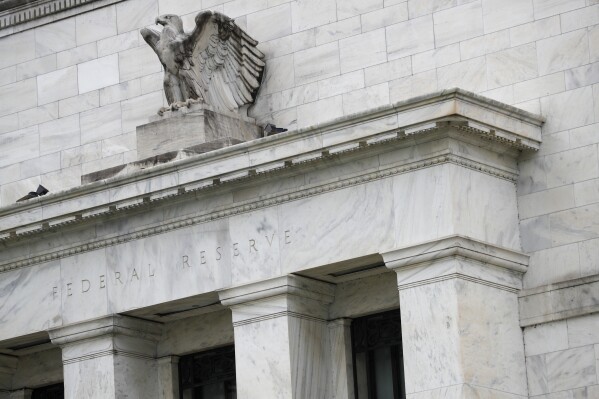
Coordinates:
<point>473,210</point>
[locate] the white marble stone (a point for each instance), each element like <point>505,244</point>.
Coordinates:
<point>18,96</point>
<point>511,66</point>
<point>76,55</point>
<point>37,309</point>
<point>137,62</point>
<point>563,52</point>
<point>485,44</point>
<point>96,25</point>
<point>389,71</point>
<point>261,27</point>
<point>362,51</point>
<point>384,16</point>
<point>55,37</point>
<point>21,47</point>
<point>501,14</point>
<point>36,67</point>
<point>470,75</point>
<point>306,14</point>
<point>114,44</point>
<point>135,14</point>
<point>19,146</point>
<point>100,123</point>
<point>448,26</point>
<point>57,85</point>
<point>38,115</point>
<point>59,134</point>
<point>545,8</point>
<point>410,37</point>
<point>98,73</point>
<point>435,58</point>
<point>316,63</point>
<point>337,30</point>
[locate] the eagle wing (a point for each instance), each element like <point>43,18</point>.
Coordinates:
<point>222,64</point>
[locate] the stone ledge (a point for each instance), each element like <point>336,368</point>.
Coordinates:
<point>265,157</point>
<point>457,257</point>
<point>559,301</point>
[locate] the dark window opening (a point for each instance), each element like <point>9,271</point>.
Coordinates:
<point>208,375</point>
<point>378,356</point>
<point>55,391</point>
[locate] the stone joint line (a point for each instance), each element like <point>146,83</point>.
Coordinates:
<point>285,313</point>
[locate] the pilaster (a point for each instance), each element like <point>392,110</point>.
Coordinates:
<point>111,357</point>
<point>168,377</point>
<point>8,367</point>
<point>281,337</point>
<point>459,312</point>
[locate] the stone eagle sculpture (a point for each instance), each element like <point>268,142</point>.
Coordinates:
<point>217,63</point>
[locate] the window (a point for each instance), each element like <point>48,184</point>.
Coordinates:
<point>50,392</point>
<point>378,358</point>
<point>208,375</point>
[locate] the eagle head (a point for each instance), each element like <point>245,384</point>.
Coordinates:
<point>170,20</point>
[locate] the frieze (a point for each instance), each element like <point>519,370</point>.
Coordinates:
<point>124,277</point>
<point>252,174</point>
<point>250,206</point>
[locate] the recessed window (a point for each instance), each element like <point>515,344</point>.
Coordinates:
<point>208,375</point>
<point>378,358</point>
<point>55,391</point>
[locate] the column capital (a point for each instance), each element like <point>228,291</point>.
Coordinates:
<point>109,325</point>
<point>457,257</point>
<point>291,284</point>
<point>290,295</point>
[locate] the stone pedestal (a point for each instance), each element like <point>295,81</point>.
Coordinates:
<point>281,337</point>
<point>112,357</point>
<point>459,313</point>
<point>198,127</point>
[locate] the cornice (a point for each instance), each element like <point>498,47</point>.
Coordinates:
<point>19,15</point>
<point>225,212</point>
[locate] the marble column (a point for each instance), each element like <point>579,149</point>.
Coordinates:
<point>281,337</point>
<point>111,357</point>
<point>459,313</point>
<point>168,377</point>
<point>341,378</point>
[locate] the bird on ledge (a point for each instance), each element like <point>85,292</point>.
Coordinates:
<point>41,190</point>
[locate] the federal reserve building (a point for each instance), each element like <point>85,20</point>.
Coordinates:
<point>299,199</point>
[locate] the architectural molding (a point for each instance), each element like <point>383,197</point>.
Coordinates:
<point>560,301</point>
<point>235,209</point>
<point>458,257</point>
<point>19,15</point>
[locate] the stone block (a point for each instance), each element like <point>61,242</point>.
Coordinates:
<point>192,127</point>
<point>57,85</point>
<point>589,258</point>
<point>539,87</point>
<point>316,63</point>
<point>338,30</point>
<point>547,8</point>
<point>349,8</point>
<point>362,51</point>
<point>545,338</point>
<point>384,17</point>
<point>374,96</point>
<point>20,46</point>
<point>76,55</point>
<point>468,75</point>
<point>306,14</point>
<point>536,30</point>
<point>18,96</point>
<point>95,25</point>
<point>120,92</point>
<point>415,85</point>
<point>572,368</point>
<point>436,58</point>
<point>552,265</point>
<point>238,8</point>
<point>35,116</point>
<point>546,201</point>
<point>118,43</point>
<point>319,111</point>
<point>55,37</point>
<point>82,154</point>
<point>485,44</point>
<point>570,166</point>
<point>36,67</point>
<point>410,37</point>
<point>101,123</point>
<point>450,26</point>
<point>19,146</point>
<point>135,14</point>
<point>80,103</point>
<point>388,71</point>
<point>510,66</point>
<point>419,8</point>
<point>8,75</point>
<point>139,110</point>
<point>296,96</point>
<point>536,233</point>
<point>586,192</point>
<point>270,23</point>
<point>502,14</point>
<point>39,166</point>
<point>568,110</point>
<point>178,7</point>
<point>98,73</point>
<point>569,50</point>
<point>137,62</point>
<point>279,75</point>
<point>340,84</point>
<point>59,134</point>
